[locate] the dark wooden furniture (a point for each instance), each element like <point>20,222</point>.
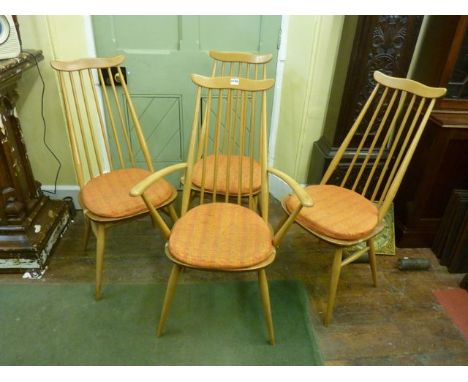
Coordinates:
<point>464,282</point>
<point>384,43</point>
<point>30,222</point>
<point>451,241</point>
<point>440,163</point>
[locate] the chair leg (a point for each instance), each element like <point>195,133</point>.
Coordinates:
<point>258,204</point>
<point>192,195</point>
<point>336,269</point>
<point>87,232</point>
<point>168,297</point>
<point>266,303</point>
<point>372,260</point>
<point>100,246</point>
<point>253,203</point>
<point>172,212</point>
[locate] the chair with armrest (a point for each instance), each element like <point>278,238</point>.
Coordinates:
<point>223,230</point>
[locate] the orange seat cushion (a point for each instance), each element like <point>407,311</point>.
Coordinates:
<point>337,212</point>
<point>221,236</point>
<point>235,162</point>
<point>107,195</point>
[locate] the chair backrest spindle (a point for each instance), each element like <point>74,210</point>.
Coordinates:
<point>236,133</point>
<point>393,139</point>
<point>97,119</point>
<point>99,108</point>
<point>91,125</point>
<point>230,101</point>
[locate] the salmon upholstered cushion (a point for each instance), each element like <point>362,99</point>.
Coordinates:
<point>221,236</point>
<point>235,162</point>
<point>337,212</point>
<point>107,195</point>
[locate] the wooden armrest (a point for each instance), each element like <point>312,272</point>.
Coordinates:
<point>302,195</point>
<point>304,199</point>
<point>141,187</point>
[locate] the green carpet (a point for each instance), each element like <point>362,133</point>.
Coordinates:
<point>210,323</point>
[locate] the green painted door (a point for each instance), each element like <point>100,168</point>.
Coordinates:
<point>161,54</point>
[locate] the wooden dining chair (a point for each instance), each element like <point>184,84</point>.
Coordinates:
<point>107,144</point>
<point>240,65</point>
<point>216,234</point>
<point>357,191</point>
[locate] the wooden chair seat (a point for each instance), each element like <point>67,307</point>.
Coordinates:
<point>221,236</point>
<point>107,195</point>
<point>338,213</point>
<point>237,165</point>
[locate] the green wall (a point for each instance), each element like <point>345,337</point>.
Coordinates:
<point>312,45</point>
<point>61,37</point>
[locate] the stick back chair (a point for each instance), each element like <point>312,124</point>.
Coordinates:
<point>357,190</point>
<point>104,158</point>
<point>216,234</point>
<point>241,65</point>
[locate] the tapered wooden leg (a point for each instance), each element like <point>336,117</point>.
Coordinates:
<point>172,212</point>
<point>100,246</point>
<point>372,260</point>
<point>192,195</point>
<point>253,203</point>
<point>266,303</point>
<point>258,204</point>
<point>87,232</point>
<point>171,285</point>
<point>336,269</point>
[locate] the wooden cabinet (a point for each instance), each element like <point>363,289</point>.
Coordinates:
<point>30,222</point>
<point>440,163</point>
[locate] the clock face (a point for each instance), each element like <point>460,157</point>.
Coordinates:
<point>4,29</point>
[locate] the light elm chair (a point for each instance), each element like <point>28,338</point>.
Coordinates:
<point>225,232</point>
<point>357,191</point>
<point>238,65</point>
<point>104,157</point>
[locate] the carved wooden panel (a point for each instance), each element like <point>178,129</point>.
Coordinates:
<point>18,191</point>
<point>30,223</point>
<point>384,43</point>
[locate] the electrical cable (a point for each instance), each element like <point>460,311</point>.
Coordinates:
<point>44,125</point>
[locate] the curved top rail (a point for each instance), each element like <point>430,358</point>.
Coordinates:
<point>87,63</point>
<point>249,58</point>
<point>408,85</point>
<point>236,83</point>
